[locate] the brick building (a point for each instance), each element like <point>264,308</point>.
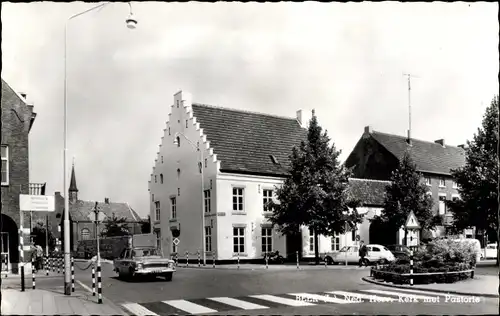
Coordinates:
<point>17,119</point>
<point>377,154</point>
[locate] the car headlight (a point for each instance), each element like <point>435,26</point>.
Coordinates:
<point>139,266</point>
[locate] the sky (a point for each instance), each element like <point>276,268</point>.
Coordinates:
<point>346,61</point>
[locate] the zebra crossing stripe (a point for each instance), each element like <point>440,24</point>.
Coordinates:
<point>237,303</point>
<point>399,294</point>
<point>355,296</point>
<point>430,293</point>
<point>189,307</point>
<point>137,309</point>
<point>282,300</point>
<point>322,298</point>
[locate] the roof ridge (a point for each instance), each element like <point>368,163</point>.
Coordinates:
<point>370,180</point>
<point>420,140</point>
<point>243,111</point>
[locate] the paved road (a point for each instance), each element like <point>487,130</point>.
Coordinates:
<point>272,292</point>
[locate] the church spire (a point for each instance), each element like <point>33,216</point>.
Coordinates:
<point>73,190</point>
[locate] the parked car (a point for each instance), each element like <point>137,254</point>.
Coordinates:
<point>399,251</point>
<point>143,261</point>
<point>376,254</point>
<point>491,251</point>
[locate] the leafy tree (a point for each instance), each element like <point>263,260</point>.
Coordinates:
<point>39,236</point>
<point>315,192</point>
<point>146,225</point>
<point>115,227</point>
<point>478,180</point>
<point>407,193</point>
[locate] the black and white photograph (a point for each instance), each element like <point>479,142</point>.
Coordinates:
<point>250,158</point>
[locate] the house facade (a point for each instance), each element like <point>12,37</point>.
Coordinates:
<point>17,120</point>
<point>377,154</point>
<point>244,158</point>
<point>81,226</point>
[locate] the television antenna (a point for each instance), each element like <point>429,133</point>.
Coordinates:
<point>409,76</point>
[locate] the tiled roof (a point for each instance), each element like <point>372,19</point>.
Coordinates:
<point>428,156</point>
<point>244,141</point>
<point>369,192</point>
<point>80,210</point>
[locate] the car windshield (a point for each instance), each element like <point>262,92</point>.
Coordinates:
<point>145,252</point>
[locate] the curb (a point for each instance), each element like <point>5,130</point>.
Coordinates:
<point>89,260</point>
<point>305,268</point>
<point>427,289</point>
<point>104,299</point>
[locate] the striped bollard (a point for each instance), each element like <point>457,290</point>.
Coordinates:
<point>52,264</point>
<point>46,263</point>
<point>58,264</point>
<point>267,260</point>
<point>176,259</point>
<point>213,259</point>
<point>326,261</point>
<point>297,255</point>
<point>72,274</point>
<point>238,259</point>
<point>93,279</point>
<point>33,270</point>
<point>187,259</point>
<point>411,267</point>
<point>199,260</point>
<point>99,287</point>
<point>21,253</point>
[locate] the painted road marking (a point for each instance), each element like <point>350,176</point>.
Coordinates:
<point>282,300</point>
<point>321,298</point>
<point>371,298</point>
<point>137,309</point>
<point>190,307</point>
<point>237,303</point>
<point>430,293</point>
<point>400,295</point>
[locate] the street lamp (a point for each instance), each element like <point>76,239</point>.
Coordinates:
<point>131,23</point>
<point>198,147</point>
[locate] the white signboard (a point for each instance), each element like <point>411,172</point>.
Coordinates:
<point>176,241</point>
<point>37,203</point>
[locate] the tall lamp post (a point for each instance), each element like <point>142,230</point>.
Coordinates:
<point>198,147</point>
<point>131,24</point>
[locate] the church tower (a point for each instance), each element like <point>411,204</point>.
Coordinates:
<point>73,190</point>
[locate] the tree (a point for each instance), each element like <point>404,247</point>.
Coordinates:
<point>315,192</point>
<point>478,179</point>
<point>39,236</point>
<point>115,227</point>
<point>405,194</point>
<point>146,225</point>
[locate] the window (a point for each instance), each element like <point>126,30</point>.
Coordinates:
<point>428,180</point>
<point>237,199</point>
<point>152,197</point>
<point>311,239</point>
<point>158,239</point>
<point>169,131</point>
<point>173,207</point>
<point>156,179</point>
<point>177,103</point>
<point>178,173</point>
<point>5,165</point>
<point>267,197</point>
<point>336,242</point>
<point>442,182</point>
<point>442,205</point>
<point>454,199</point>
<point>207,201</point>
<point>206,162</point>
<point>161,178</point>
<point>178,191</point>
<point>375,249</point>
<point>186,123</point>
<point>161,159</point>
<point>208,239</point>
<point>455,185</point>
<point>85,234</point>
<point>238,239</point>
<point>178,140</point>
<point>157,211</point>
<point>267,239</point>
<point>353,234</point>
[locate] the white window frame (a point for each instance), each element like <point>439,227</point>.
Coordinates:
<point>335,240</point>
<point>442,197</point>
<point>157,211</point>
<point>173,207</point>
<point>311,240</point>
<point>239,239</point>
<point>266,239</point>
<point>88,234</point>
<point>443,181</point>
<point>7,165</point>
<point>208,239</point>
<point>267,196</point>
<point>428,180</point>
<point>454,185</point>
<point>207,201</point>
<point>238,206</point>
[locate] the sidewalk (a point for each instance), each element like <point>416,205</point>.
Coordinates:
<point>54,302</point>
<point>248,266</point>
<point>481,285</point>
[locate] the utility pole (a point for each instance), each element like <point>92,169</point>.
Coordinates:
<point>409,76</point>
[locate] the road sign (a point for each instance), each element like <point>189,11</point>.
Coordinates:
<point>176,241</point>
<point>36,203</point>
<point>100,216</point>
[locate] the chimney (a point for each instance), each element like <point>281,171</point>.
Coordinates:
<point>409,138</point>
<point>304,118</point>
<point>368,129</point>
<point>440,142</point>
<point>106,200</point>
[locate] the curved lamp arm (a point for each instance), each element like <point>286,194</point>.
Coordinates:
<point>188,140</point>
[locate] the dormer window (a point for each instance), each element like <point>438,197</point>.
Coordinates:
<point>178,141</point>
<point>442,182</point>
<point>274,159</point>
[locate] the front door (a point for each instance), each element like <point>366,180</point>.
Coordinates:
<point>4,250</point>
<point>293,245</point>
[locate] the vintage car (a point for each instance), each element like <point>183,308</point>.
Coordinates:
<point>143,261</point>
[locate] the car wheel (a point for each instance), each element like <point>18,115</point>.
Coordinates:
<point>329,261</point>
<point>168,276</point>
